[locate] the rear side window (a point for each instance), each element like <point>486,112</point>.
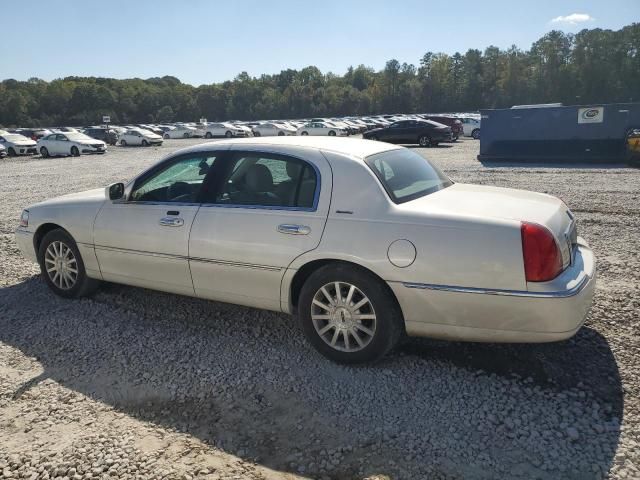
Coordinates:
<point>269,180</point>
<point>406,175</point>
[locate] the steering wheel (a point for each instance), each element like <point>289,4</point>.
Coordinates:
<point>178,189</point>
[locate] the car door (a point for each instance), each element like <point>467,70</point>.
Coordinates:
<point>393,133</point>
<point>143,239</point>
<point>59,144</point>
<point>269,208</point>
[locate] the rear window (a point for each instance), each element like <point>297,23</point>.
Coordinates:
<point>406,175</point>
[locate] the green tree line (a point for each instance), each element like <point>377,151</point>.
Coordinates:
<point>592,66</point>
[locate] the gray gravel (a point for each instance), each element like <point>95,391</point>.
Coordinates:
<point>140,384</point>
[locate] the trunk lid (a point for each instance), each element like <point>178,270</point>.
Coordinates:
<point>505,203</point>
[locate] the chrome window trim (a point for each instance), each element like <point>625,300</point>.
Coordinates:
<point>507,293</point>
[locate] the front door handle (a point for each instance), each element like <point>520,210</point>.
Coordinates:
<point>294,229</point>
<point>171,222</point>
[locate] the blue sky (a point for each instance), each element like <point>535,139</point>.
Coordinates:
<point>202,41</point>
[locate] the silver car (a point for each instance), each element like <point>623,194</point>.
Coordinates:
<point>364,241</point>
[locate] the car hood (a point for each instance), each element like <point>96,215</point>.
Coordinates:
<point>153,136</point>
<point>24,143</point>
<point>95,196</point>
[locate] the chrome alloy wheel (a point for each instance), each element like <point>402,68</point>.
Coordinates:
<point>343,317</point>
<point>61,265</point>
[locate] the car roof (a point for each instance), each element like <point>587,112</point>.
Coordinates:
<point>345,146</point>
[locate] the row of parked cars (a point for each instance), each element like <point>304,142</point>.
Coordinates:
<point>423,129</point>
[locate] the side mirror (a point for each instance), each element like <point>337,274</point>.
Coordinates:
<point>115,191</point>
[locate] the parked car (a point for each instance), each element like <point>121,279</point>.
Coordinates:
<point>180,131</point>
<point>272,129</point>
<point>17,144</point>
<point>454,123</point>
<point>322,128</point>
<point>227,130</point>
<point>71,143</point>
<point>471,127</point>
<point>423,132</point>
<point>3,151</point>
<point>107,135</point>
<point>33,133</point>
<point>411,253</point>
<point>139,136</point>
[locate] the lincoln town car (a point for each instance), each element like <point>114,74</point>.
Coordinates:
<point>364,242</point>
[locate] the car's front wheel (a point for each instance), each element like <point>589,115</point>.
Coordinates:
<point>75,152</point>
<point>332,133</point>
<point>424,141</point>
<point>349,315</point>
<point>12,152</point>
<point>145,143</point>
<point>44,152</point>
<point>62,266</point>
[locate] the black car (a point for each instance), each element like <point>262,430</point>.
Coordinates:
<point>105,134</point>
<point>423,132</point>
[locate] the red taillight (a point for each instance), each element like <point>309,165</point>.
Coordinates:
<point>542,258</point>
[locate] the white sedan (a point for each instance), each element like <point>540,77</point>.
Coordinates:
<point>3,151</point>
<point>364,241</point>
<point>71,143</point>
<point>227,130</point>
<point>322,128</point>
<point>17,144</point>
<point>139,136</point>
<point>181,131</point>
<point>470,127</point>
<point>273,129</point>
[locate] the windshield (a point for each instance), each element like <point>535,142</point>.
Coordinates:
<point>406,175</point>
<point>78,137</point>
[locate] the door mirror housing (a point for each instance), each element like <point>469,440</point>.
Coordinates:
<point>115,191</point>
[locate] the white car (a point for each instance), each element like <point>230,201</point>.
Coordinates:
<point>181,131</point>
<point>69,143</point>
<point>321,128</point>
<point>364,241</point>
<point>470,127</point>
<point>17,144</point>
<point>227,130</point>
<point>139,136</point>
<point>273,129</point>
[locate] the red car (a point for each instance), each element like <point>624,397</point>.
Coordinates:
<point>454,123</point>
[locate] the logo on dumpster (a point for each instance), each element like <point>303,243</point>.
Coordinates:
<point>592,113</point>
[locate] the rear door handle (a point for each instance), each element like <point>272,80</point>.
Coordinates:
<point>291,229</point>
<point>171,222</point>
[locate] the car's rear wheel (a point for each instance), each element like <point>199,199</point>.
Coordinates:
<point>208,135</point>
<point>349,315</point>
<point>476,134</point>
<point>332,133</point>
<point>62,266</point>
<point>123,143</point>
<point>145,143</point>
<point>185,135</point>
<point>75,152</point>
<point>256,134</point>
<point>424,140</point>
<point>281,134</point>
<point>44,152</point>
<point>166,136</point>
<point>11,152</point>
<point>304,134</point>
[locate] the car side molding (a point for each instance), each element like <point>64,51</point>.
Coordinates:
<point>508,293</point>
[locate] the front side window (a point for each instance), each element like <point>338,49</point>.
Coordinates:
<point>406,175</point>
<point>269,180</point>
<point>179,181</point>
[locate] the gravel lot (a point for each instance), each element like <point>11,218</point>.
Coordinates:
<point>139,384</point>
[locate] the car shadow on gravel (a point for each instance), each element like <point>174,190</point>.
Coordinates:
<point>246,382</point>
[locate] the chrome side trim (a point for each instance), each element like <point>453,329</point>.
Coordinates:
<point>508,293</point>
<point>182,257</point>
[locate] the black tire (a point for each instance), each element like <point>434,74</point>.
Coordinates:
<point>83,286</point>
<point>11,152</point>
<point>123,143</point>
<point>256,134</point>
<point>208,135</point>
<point>185,135</point>
<point>332,133</point>
<point>228,134</point>
<point>304,134</point>
<point>424,141</point>
<point>476,134</point>
<point>281,134</point>
<point>166,136</point>
<point>389,326</point>
<point>44,153</point>
<point>75,152</point>
<point>145,143</point>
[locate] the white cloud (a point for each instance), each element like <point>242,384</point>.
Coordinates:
<point>573,19</point>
